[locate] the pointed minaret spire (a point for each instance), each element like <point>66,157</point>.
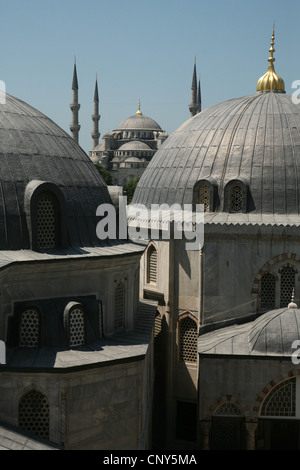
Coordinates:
<point>199,100</point>
<point>96,117</point>
<point>194,106</point>
<point>74,126</point>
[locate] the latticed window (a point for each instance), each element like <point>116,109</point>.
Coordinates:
<point>281,401</point>
<point>236,199</point>
<point>29,328</point>
<point>204,196</point>
<point>76,327</point>
<point>267,288</point>
<point>228,409</point>
<point>34,414</point>
<point>119,305</point>
<point>152,265</point>
<point>287,285</point>
<point>47,222</point>
<point>188,340</point>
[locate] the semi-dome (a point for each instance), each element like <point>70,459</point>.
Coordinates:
<point>36,158</point>
<point>139,122</point>
<point>271,334</point>
<point>135,145</point>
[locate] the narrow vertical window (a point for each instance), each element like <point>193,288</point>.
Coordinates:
<point>47,222</point>
<point>204,196</point>
<point>235,199</point>
<point>152,265</point>
<point>76,327</point>
<point>267,288</point>
<point>34,414</point>
<point>119,305</point>
<point>188,340</point>
<point>29,329</point>
<point>287,285</point>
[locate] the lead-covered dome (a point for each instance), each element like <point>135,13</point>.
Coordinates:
<point>44,173</point>
<point>253,141</point>
<point>139,122</point>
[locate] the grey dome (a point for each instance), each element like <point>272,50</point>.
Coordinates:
<point>135,145</point>
<point>34,150</point>
<point>271,334</point>
<point>139,122</point>
<point>254,139</point>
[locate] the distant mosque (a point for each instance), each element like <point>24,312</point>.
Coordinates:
<point>126,151</point>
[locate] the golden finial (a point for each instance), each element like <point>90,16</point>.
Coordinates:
<point>271,81</point>
<point>139,112</point>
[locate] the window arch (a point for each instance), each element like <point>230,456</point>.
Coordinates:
<point>287,285</point>
<point>152,265</point>
<point>47,221</point>
<point>119,317</point>
<point>29,328</point>
<point>228,409</point>
<point>75,324</point>
<point>267,291</point>
<point>204,196</point>
<point>235,199</point>
<point>45,209</point>
<point>281,401</point>
<point>34,414</point>
<point>235,196</point>
<point>188,340</point>
<point>205,192</point>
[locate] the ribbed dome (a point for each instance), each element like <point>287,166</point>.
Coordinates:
<point>254,139</point>
<point>271,334</point>
<point>139,122</point>
<point>34,148</point>
<point>135,145</point>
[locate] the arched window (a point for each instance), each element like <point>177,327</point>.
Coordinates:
<point>188,340</point>
<point>204,196</point>
<point>281,401</point>
<point>287,284</point>
<point>235,199</point>
<point>76,326</point>
<point>34,414</point>
<point>228,409</point>
<point>120,305</point>
<point>267,291</point>
<point>47,222</point>
<point>152,265</point>
<point>29,328</point>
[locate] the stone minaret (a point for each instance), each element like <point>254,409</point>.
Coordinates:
<point>74,126</point>
<point>96,117</point>
<point>194,106</point>
<point>199,100</point>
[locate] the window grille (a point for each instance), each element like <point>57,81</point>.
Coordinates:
<point>236,199</point>
<point>188,340</point>
<point>76,327</point>
<point>268,290</point>
<point>204,196</point>
<point>119,305</point>
<point>152,265</point>
<point>29,331</point>
<point>287,285</point>
<point>281,401</point>
<point>34,414</point>
<point>46,222</point>
<point>228,409</point>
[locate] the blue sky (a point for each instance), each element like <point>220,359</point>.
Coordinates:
<point>142,50</point>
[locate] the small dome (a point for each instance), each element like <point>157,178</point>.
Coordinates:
<point>139,122</point>
<point>34,151</point>
<point>135,145</point>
